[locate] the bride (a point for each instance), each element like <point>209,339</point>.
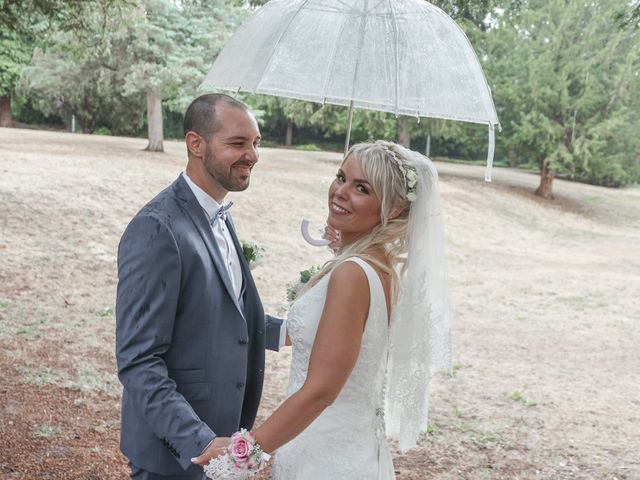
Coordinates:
<point>370,328</point>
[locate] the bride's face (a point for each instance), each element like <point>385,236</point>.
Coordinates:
<point>354,208</point>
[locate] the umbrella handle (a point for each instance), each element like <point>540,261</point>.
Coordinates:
<point>304,229</point>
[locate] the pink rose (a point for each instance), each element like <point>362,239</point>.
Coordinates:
<point>240,451</point>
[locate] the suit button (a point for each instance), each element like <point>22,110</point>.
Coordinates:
<point>242,341</point>
<point>239,385</point>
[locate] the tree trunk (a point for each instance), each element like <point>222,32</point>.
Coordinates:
<point>403,132</point>
<point>6,120</point>
<point>546,181</point>
<point>288,139</point>
<point>513,158</point>
<point>154,121</point>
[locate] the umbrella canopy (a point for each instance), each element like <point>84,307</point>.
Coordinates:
<point>401,56</point>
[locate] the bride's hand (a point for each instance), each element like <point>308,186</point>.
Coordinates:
<point>333,236</point>
<point>215,449</point>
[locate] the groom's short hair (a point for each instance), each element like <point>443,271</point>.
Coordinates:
<point>200,117</point>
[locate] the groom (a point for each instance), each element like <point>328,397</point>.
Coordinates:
<point>190,328</point>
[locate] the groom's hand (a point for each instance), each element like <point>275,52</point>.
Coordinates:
<point>215,449</point>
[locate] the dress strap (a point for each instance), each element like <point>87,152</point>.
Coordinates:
<point>376,290</point>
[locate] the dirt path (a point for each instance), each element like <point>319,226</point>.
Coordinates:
<point>546,298</point>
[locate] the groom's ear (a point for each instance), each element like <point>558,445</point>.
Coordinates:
<point>195,144</point>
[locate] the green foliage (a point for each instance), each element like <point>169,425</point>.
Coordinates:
<point>16,48</point>
<point>106,311</point>
<point>518,396</point>
<point>47,430</point>
<point>564,79</point>
<point>102,73</point>
<point>43,376</point>
<point>294,287</point>
<point>471,11</point>
<point>77,73</point>
<point>102,131</point>
<point>308,147</point>
<point>19,16</point>
<point>88,379</point>
<point>252,253</point>
<point>563,73</point>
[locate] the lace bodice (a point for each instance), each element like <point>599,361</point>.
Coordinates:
<point>347,440</point>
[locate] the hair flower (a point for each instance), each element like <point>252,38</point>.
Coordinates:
<point>412,178</point>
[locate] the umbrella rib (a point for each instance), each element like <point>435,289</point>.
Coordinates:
<point>275,47</point>
<point>332,60</point>
<point>359,48</point>
<point>395,49</point>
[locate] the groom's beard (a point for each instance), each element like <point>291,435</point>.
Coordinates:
<point>233,178</point>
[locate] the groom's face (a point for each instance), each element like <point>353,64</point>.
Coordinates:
<point>232,151</point>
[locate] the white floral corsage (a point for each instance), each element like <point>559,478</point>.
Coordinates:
<point>243,459</point>
<point>252,253</point>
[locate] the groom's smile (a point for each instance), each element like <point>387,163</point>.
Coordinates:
<point>228,155</point>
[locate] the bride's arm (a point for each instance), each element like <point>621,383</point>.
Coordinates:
<point>334,354</point>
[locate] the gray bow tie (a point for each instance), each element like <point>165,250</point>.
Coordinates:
<point>221,213</point>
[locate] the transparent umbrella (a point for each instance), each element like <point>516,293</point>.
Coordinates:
<point>402,56</point>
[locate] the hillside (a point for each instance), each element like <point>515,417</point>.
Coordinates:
<point>545,297</point>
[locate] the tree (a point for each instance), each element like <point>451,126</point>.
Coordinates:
<point>169,49</point>
<point>17,48</point>
<point>79,73</point>
<point>129,55</point>
<point>23,25</point>
<point>564,79</point>
<point>67,14</point>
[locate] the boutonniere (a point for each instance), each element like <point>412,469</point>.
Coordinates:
<point>294,287</point>
<point>252,253</point>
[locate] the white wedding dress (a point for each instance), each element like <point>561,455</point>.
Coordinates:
<point>347,441</point>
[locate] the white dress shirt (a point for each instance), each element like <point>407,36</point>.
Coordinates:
<point>221,234</point>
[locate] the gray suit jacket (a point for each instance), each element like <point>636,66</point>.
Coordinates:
<point>190,356</point>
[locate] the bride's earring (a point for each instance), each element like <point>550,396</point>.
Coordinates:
<point>397,210</point>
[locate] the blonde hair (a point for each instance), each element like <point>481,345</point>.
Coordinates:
<point>384,165</point>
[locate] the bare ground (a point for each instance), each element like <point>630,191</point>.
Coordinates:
<point>546,298</point>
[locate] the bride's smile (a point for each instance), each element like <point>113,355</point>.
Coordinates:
<point>354,208</point>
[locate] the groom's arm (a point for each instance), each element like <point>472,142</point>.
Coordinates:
<point>149,267</point>
<point>276,332</point>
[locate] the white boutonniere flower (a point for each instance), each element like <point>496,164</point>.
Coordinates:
<point>252,253</point>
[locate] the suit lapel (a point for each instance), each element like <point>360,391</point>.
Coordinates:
<point>244,265</point>
<point>249,290</point>
<point>197,216</point>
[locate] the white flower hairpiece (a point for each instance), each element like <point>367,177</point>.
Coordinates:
<point>409,173</point>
